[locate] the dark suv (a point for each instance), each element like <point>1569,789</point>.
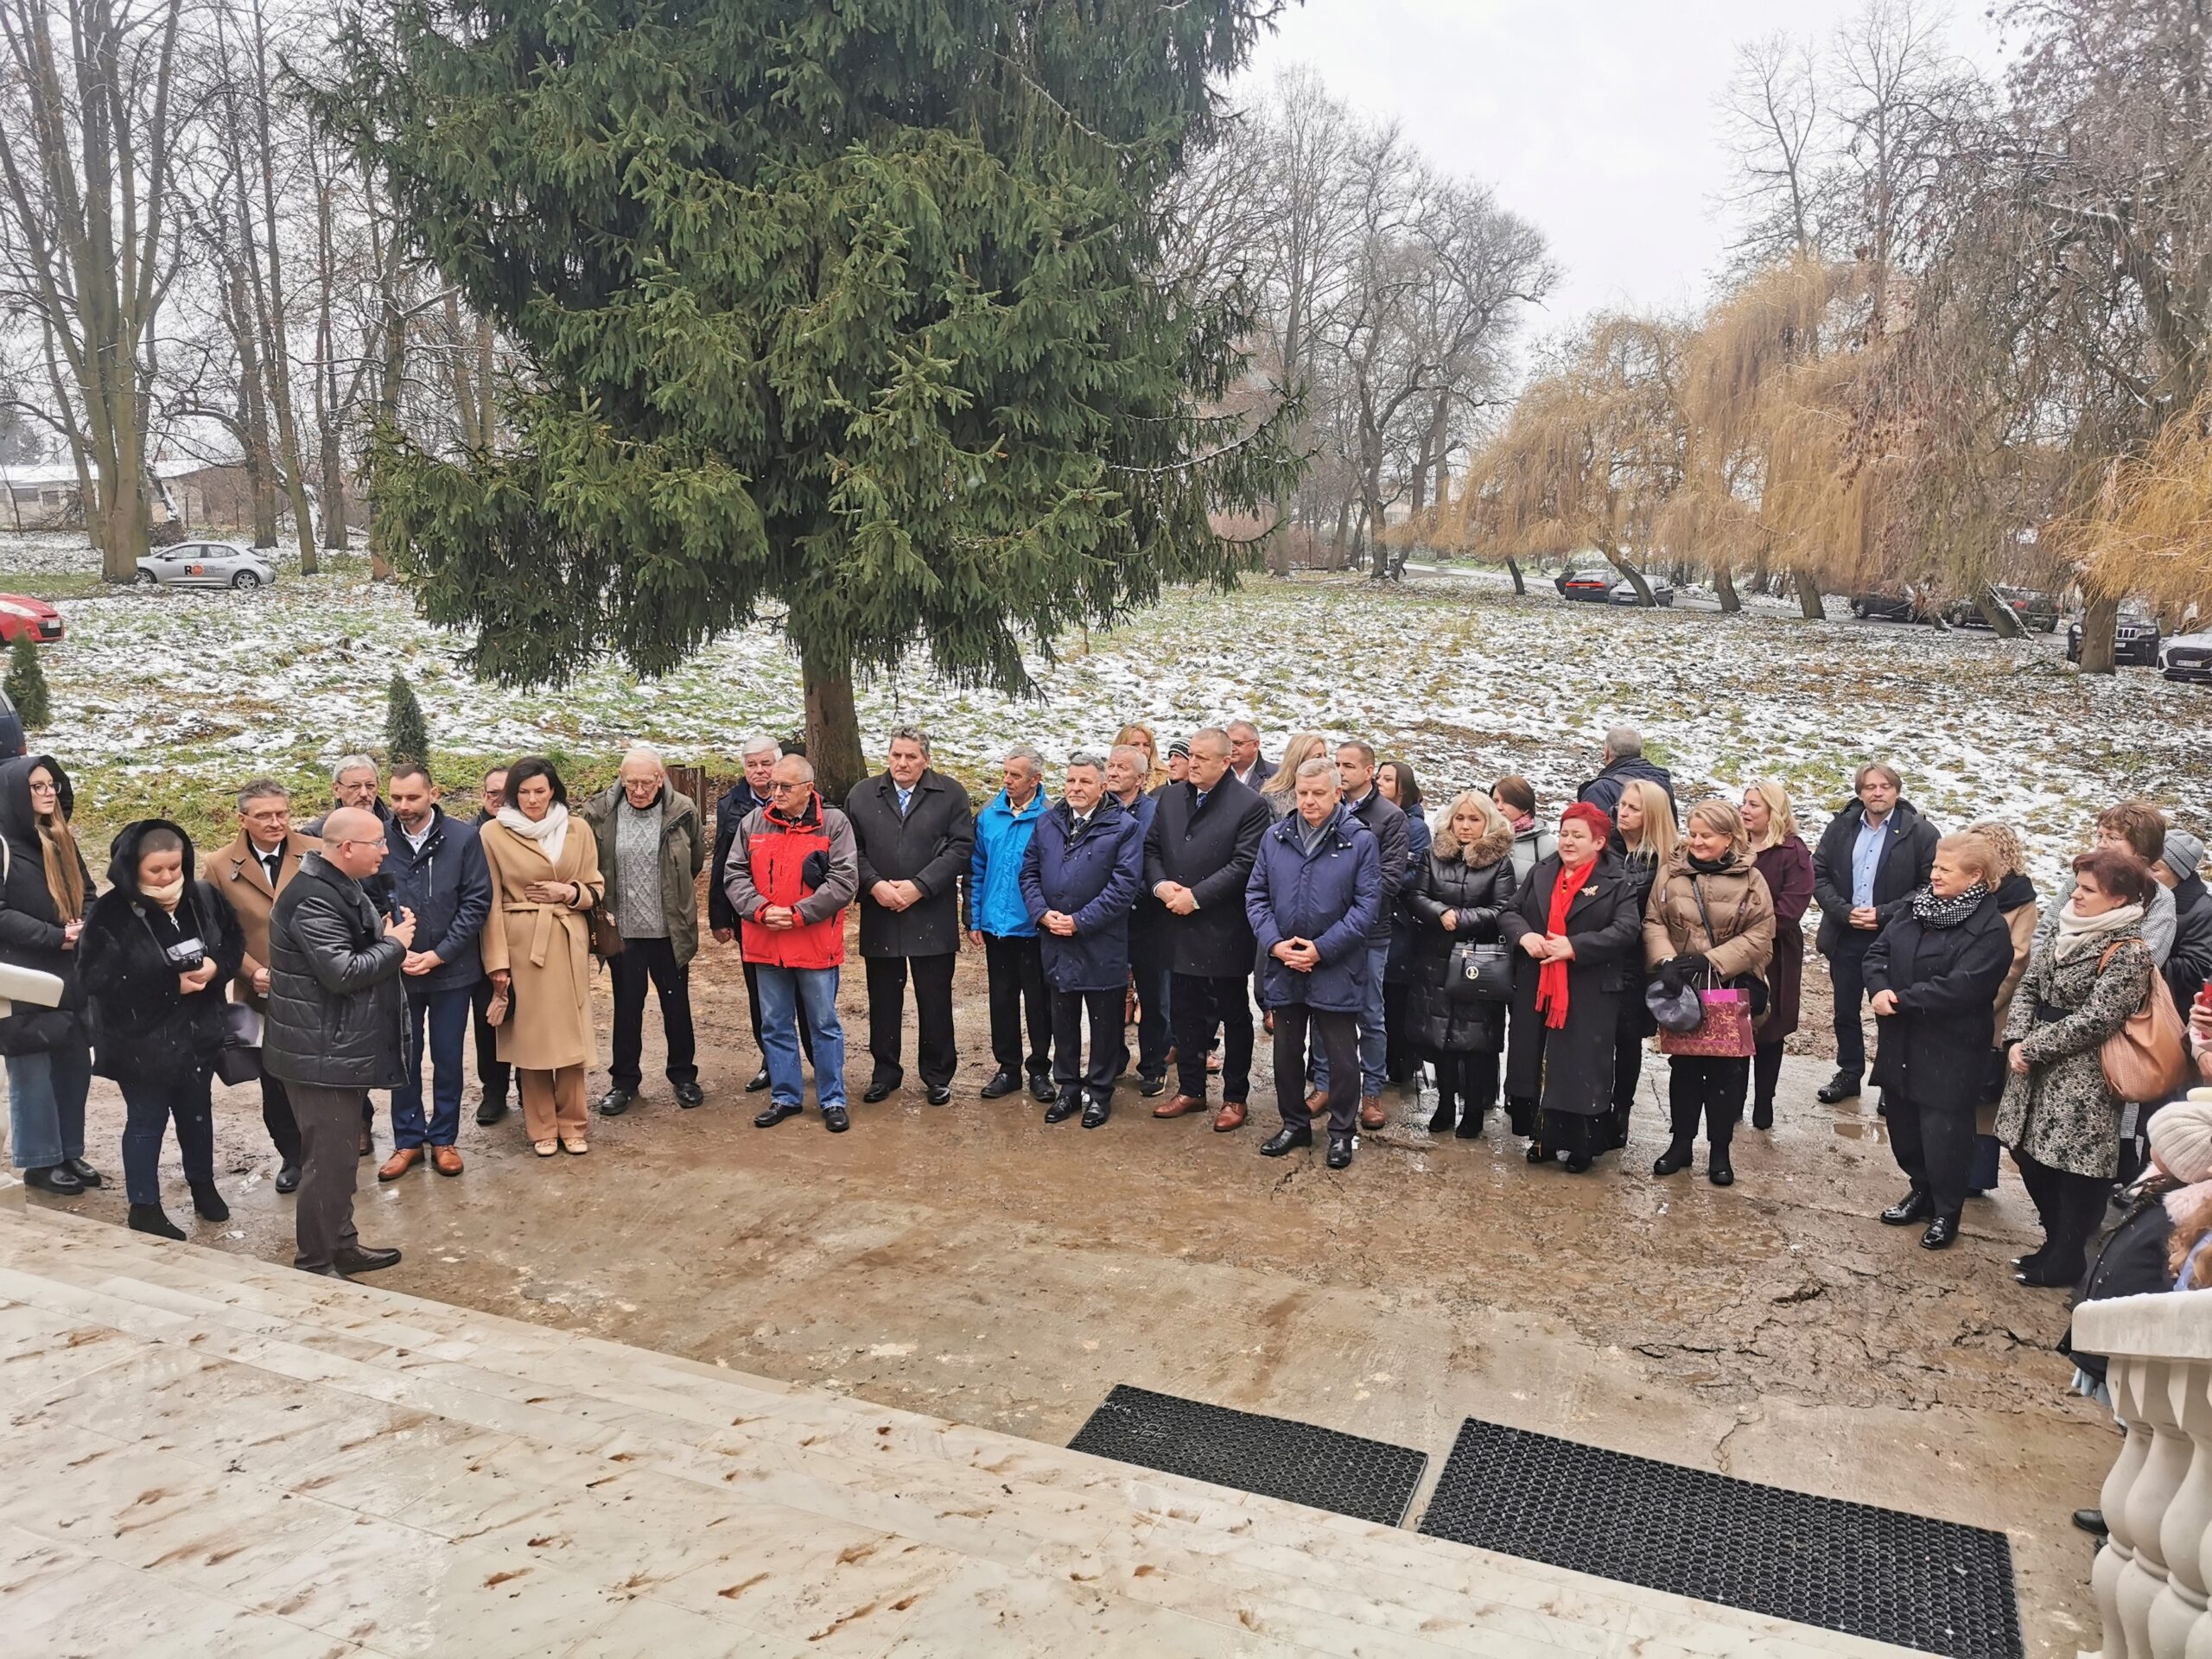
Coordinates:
<point>2134,640</point>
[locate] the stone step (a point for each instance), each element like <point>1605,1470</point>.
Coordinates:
<point>655,1462</point>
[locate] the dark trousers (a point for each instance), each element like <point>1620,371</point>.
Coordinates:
<point>1709,1089</point>
<point>1338,1037</point>
<point>494,1074</point>
<point>277,1118</point>
<point>1766,1072</point>
<point>1470,1081</point>
<point>1015,968</point>
<point>1399,1060</point>
<point>330,1123</point>
<point>445,1015</point>
<point>1934,1147</point>
<point>1199,1006</point>
<point>637,960</point>
<point>752,1008</point>
<point>149,1103</point>
<point>1155,997</point>
<point>1069,1076</point>
<point>1847,974</point>
<point>935,1056</point>
<point>2071,1207</point>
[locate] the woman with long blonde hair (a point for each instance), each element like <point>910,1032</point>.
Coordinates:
<point>1140,737</point>
<point>1645,819</point>
<point>1781,855</point>
<point>1280,792</point>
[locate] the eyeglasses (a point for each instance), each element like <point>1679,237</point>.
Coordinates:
<point>46,789</point>
<point>373,846</point>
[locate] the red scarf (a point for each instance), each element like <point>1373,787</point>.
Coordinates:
<point>1551,978</point>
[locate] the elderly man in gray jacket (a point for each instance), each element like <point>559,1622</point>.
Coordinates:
<point>335,1027</point>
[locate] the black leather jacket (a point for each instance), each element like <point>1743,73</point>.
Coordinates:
<point>335,1001</point>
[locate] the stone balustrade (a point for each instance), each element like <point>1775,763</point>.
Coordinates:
<point>2150,1577</point>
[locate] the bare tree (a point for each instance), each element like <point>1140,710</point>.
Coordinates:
<point>1771,121</point>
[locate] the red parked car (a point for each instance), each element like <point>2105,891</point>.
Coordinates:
<point>21,614</point>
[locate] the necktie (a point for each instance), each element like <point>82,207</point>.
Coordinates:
<point>272,862</point>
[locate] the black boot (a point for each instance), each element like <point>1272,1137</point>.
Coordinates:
<point>1446,1110</point>
<point>1762,1114</point>
<point>1842,1086</point>
<point>1676,1157</point>
<point>209,1202</point>
<point>148,1218</point>
<point>1470,1123</point>
<point>1718,1169</point>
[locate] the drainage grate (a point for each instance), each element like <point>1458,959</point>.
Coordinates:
<point>1881,1573</point>
<point>1271,1456</point>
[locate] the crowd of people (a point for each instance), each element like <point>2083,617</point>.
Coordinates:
<point>1524,961</point>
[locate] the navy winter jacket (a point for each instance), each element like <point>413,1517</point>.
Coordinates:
<point>1332,898</point>
<point>1093,877</point>
<point>449,886</point>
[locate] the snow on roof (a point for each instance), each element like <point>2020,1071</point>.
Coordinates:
<point>47,474</point>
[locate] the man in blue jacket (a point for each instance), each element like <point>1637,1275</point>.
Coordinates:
<point>1151,965</point>
<point>1315,891</point>
<point>999,924</point>
<point>433,866</point>
<point>1078,880</point>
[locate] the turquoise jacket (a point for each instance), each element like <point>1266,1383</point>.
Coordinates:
<point>993,902</point>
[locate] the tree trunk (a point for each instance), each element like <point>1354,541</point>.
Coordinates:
<point>1519,585</point>
<point>833,727</point>
<point>1279,543</point>
<point>1636,579</point>
<point>1808,597</point>
<point>2002,622</point>
<point>1336,555</point>
<point>260,470</point>
<point>2099,618</point>
<point>1724,583</point>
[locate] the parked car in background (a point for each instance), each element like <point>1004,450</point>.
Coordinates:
<point>2034,609</point>
<point>20,614</point>
<point>2187,657</point>
<point>12,740</point>
<point>1900,605</point>
<point>2135,639</point>
<point>1590,588</point>
<point>206,564</point>
<point>1623,592</point>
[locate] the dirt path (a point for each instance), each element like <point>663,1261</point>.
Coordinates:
<point>968,1261</point>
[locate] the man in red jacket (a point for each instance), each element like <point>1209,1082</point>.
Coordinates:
<point>792,869</point>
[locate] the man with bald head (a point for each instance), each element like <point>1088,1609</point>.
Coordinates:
<point>651,847</point>
<point>334,1027</point>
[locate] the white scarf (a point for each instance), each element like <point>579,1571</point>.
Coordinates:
<point>549,832</point>
<point>2079,934</point>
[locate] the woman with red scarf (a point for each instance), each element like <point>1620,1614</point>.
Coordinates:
<point>1576,932</point>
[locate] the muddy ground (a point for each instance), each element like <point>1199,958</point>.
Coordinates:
<point>968,1261</point>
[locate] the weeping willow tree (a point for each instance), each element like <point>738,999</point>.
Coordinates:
<point>2149,529</point>
<point>1591,454</point>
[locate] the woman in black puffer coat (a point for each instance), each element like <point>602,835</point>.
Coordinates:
<point>1457,893</point>
<point>159,950</point>
<point>44,889</point>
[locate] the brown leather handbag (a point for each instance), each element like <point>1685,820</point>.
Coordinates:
<point>2146,1060</point>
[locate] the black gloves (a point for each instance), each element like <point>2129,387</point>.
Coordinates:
<point>1690,965</point>
<point>815,871</point>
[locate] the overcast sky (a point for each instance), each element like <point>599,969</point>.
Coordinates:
<point>1594,118</point>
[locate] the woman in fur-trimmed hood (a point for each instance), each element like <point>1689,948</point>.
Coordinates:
<point>1458,890</point>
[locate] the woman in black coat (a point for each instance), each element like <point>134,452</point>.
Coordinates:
<point>1457,893</point>
<point>44,889</point>
<point>160,949</point>
<point>1933,974</point>
<point>1578,934</point>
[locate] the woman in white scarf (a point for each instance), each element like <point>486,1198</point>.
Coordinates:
<point>536,948</point>
<point>2059,1116</point>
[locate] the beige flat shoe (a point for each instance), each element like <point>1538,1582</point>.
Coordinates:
<point>574,1145</point>
<point>547,1148</point>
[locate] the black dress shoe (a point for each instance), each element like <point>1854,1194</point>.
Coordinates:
<point>149,1219</point>
<point>2091,1522</point>
<point>1577,1163</point>
<point>57,1179</point>
<point>1041,1087</point>
<point>1942,1234</point>
<point>1538,1152</point>
<point>288,1178</point>
<point>1004,1082</point>
<point>1677,1156</point>
<point>493,1109</point>
<point>1096,1113</point>
<point>1148,1087</point>
<point>1842,1086</point>
<point>776,1112</point>
<point>2029,1262</point>
<point>616,1101</point>
<point>1062,1108</point>
<point>363,1259</point>
<point>2041,1277</point>
<point>880,1089</point>
<point>83,1171</point>
<point>759,1081</point>
<point>1340,1148</point>
<point>689,1095</point>
<point>834,1120</point>
<point>1915,1205</point>
<point>1286,1139</point>
<point>939,1094</point>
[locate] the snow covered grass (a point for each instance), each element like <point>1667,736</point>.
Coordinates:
<point>167,699</point>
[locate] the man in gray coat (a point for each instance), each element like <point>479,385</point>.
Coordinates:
<point>335,1027</point>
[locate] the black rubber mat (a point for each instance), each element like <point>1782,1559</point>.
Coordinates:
<point>1881,1573</point>
<point>1271,1456</point>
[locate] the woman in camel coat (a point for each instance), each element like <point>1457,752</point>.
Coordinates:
<point>538,948</point>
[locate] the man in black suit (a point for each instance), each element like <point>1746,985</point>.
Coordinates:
<point>915,832</point>
<point>1198,856</point>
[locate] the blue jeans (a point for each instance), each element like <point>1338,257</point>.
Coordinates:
<point>446,1014</point>
<point>149,1103</point>
<point>1372,1036</point>
<point>46,1105</point>
<point>784,991</point>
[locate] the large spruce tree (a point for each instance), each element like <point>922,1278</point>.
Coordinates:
<point>853,313</point>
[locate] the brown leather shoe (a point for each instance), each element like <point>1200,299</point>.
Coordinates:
<point>1316,1101</point>
<point>402,1161</point>
<point>446,1161</point>
<point>1371,1115</point>
<point>1180,1106</point>
<point>1232,1116</point>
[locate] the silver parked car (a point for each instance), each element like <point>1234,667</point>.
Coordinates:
<point>206,564</point>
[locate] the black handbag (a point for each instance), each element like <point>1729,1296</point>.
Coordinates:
<point>1478,973</point>
<point>239,1060</point>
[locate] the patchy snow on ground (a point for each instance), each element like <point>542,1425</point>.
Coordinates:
<point>161,691</point>
<point>49,552</point>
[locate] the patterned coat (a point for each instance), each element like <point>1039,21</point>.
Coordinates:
<point>2062,1114</point>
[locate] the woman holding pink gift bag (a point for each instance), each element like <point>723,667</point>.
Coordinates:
<point>1710,924</point>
